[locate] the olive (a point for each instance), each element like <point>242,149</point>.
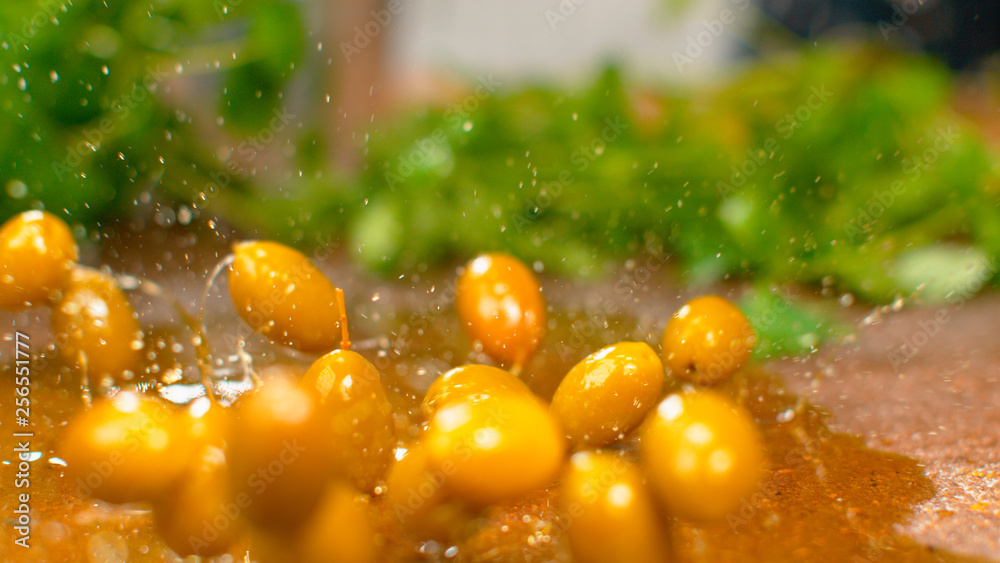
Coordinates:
<point>201,515</point>
<point>495,449</point>
<point>340,530</point>
<point>471,383</point>
<point>607,394</point>
<point>37,252</point>
<point>419,500</point>
<point>279,453</point>
<point>707,340</point>
<point>280,293</point>
<point>96,328</point>
<point>702,453</point>
<point>610,516</point>
<point>127,448</point>
<point>501,306</point>
<point>358,417</point>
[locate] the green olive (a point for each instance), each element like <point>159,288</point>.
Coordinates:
<point>127,448</point>
<point>607,394</point>
<point>702,453</point>
<point>37,252</point>
<point>279,453</point>
<point>280,293</point>
<point>496,449</point>
<point>96,328</point>
<point>471,383</point>
<point>501,306</point>
<point>707,340</point>
<point>358,416</point>
<point>610,516</point>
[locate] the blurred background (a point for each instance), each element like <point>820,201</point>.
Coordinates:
<point>851,145</point>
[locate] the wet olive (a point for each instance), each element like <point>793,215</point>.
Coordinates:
<point>358,417</point>
<point>418,499</point>
<point>37,252</point>
<point>279,453</point>
<point>495,449</point>
<point>96,328</point>
<point>471,383</point>
<point>126,448</point>
<point>702,454</point>
<point>607,394</point>
<point>501,306</point>
<point>610,515</point>
<point>200,514</point>
<point>707,340</point>
<point>280,293</point>
<point>340,531</point>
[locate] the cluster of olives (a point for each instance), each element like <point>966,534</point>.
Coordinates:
<point>305,454</point>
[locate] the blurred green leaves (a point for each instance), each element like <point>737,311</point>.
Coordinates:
<point>84,124</point>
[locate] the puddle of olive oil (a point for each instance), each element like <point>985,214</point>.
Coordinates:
<point>824,497</point>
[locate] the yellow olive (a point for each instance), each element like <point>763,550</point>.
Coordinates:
<point>201,515</point>
<point>358,417</point>
<point>495,449</point>
<point>607,394</point>
<point>610,517</point>
<point>501,306</point>
<point>707,340</point>
<point>126,448</point>
<point>95,326</point>
<point>702,454</point>
<point>419,500</point>
<point>279,453</point>
<point>37,252</point>
<point>340,531</point>
<point>471,383</point>
<point>280,293</point>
